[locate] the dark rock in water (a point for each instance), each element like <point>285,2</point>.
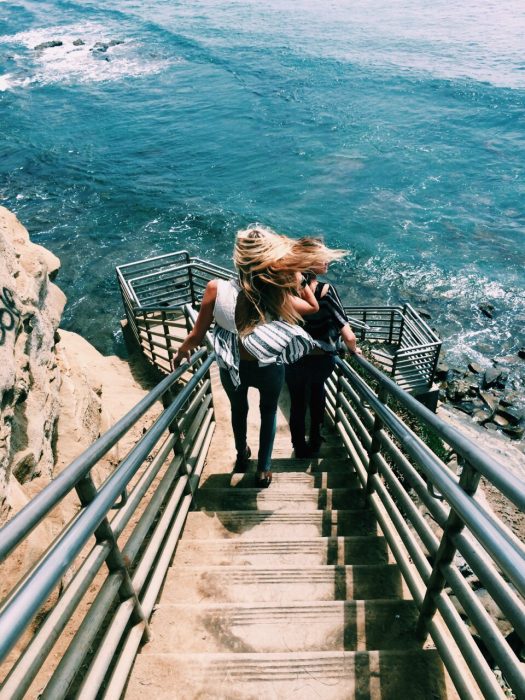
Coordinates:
<point>103,46</point>
<point>521,353</point>
<point>100,47</point>
<point>502,380</point>
<point>511,414</point>
<point>491,377</point>
<point>473,389</point>
<point>486,309</point>
<point>78,42</point>
<point>475,368</point>
<point>48,45</point>
<point>423,313</point>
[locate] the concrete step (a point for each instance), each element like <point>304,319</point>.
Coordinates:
<point>312,465</point>
<point>266,627</point>
<point>279,525</point>
<point>291,481</point>
<point>274,498</point>
<point>259,553</point>
<point>377,675</point>
<point>232,584</point>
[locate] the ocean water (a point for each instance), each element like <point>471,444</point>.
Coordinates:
<point>396,128</point>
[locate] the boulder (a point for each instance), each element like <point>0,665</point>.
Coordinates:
<point>486,309</point>
<point>475,368</point>
<point>79,42</point>
<point>521,353</point>
<point>512,414</point>
<point>491,377</point>
<point>48,45</point>
<point>457,389</point>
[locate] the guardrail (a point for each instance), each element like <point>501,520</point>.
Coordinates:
<point>402,343</point>
<point>107,612</point>
<point>388,455</point>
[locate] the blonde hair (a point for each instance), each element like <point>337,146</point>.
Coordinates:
<point>267,283</point>
<point>267,263</point>
<point>313,252</point>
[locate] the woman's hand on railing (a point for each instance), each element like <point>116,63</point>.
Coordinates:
<point>179,357</point>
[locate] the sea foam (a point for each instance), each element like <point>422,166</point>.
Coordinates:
<point>85,63</point>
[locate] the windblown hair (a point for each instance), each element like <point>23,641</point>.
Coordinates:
<point>267,283</point>
<point>267,263</point>
<point>313,252</point>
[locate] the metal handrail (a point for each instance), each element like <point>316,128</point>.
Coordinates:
<point>509,484</point>
<point>185,425</point>
<point>13,532</point>
<point>365,422</point>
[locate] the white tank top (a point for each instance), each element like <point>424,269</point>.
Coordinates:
<point>225,303</point>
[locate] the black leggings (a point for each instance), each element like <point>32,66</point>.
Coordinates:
<point>305,380</point>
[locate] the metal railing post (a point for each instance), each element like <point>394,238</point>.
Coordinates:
<point>468,481</point>
<point>178,447</point>
<point>87,492</point>
<point>375,446</point>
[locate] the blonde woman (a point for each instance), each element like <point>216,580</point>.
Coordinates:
<point>306,377</point>
<point>256,332</point>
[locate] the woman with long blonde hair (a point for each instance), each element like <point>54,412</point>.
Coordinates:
<point>257,331</point>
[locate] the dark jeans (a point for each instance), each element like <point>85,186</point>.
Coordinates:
<point>305,380</point>
<point>269,381</point>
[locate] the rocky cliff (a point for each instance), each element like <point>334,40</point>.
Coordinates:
<point>57,393</point>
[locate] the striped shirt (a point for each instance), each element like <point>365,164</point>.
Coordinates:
<point>325,325</point>
<point>274,342</point>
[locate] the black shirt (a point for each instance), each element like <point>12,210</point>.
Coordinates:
<point>324,325</point>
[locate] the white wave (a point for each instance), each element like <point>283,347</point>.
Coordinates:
<point>5,82</point>
<point>70,63</point>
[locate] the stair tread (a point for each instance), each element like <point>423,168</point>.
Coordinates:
<point>295,626</point>
<point>365,549</point>
<point>282,583</point>
<point>283,524</point>
<point>290,480</point>
<point>385,675</point>
<point>279,499</point>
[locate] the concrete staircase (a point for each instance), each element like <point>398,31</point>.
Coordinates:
<point>288,592</point>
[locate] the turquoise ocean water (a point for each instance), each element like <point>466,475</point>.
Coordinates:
<point>394,127</point>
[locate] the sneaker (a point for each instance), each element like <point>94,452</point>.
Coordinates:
<point>302,451</point>
<point>241,463</point>
<point>263,479</point>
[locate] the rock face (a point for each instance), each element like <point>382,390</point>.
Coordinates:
<point>30,310</point>
<point>57,393</point>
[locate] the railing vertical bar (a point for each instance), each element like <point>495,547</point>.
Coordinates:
<point>468,481</point>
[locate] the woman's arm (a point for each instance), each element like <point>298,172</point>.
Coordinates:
<point>202,324</point>
<point>349,339</point>
<point>305,303</point>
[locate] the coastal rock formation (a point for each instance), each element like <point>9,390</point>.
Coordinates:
<point>57,393</point>
<point>30,310</point>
